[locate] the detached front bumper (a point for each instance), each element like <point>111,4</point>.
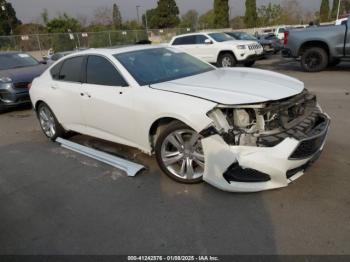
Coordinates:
<point>227,166</point>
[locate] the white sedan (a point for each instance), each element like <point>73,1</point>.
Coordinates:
<point>239,129</point>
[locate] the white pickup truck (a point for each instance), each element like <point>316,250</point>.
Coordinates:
<point>219,48</point>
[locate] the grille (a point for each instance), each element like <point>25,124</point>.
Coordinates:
<point>309,147</point>
<point>254,47</point>
<point>21,85</point>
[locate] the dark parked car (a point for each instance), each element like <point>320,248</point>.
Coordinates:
<point>269,42</point>
<point>17,71</point>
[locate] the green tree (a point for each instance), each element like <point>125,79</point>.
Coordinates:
<point>152,18</point>
<point>8,19</point>
<point>117,17</point>
<point>207,20</point>
<point>237,22</point>
<point>221,13</point>
<point>190,19</point>
<point>324,11</point>
<point>168,14</point>
<point>250,18</point>
<point>63,24</point>
<point>269,15</point>
<point>334,9</point>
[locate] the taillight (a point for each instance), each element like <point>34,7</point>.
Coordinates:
<point>29,86</point>
<point>286,35</point>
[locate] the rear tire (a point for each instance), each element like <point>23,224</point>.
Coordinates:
<point>49,123</point>
<point>227,60</point>
<point>314,59</point>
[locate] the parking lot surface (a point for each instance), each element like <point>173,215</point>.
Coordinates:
<point>54,201</point>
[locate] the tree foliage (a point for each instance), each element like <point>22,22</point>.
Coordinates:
<point>324,11</point>
<point>165,15</point>
<point>207,20</point>
<point>63,24</point>
<point>270,14</point>
<point>221,13</point>
<point>117,17</point>
<point>334,11</point>
<point>190,19</point>
<point>250,18</point>
<point>8,18</point>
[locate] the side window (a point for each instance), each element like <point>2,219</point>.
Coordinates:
<point>200,39</point>
<point>55,71</point>
<point>178,41</point>
<point>99,71</point>
<point>71,69</point>
<point>185,40</point>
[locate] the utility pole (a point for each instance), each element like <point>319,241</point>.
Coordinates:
<point>138,15</point>
<point>338,10</point>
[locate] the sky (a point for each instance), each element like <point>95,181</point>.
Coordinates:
<point>29,10</point>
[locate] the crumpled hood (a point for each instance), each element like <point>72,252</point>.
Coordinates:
<point>234,86</point>
<point>23,74</point>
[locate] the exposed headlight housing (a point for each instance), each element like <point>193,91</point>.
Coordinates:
<point>241,47</point>
<point>5,79</point>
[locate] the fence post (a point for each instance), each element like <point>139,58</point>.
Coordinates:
<point>109,37</point>
<point>38,39</point>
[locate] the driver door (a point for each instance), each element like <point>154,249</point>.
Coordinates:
<point>107,102</point>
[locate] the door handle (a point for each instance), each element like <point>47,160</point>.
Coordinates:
<point>85,94</point>
<point>54,86</point>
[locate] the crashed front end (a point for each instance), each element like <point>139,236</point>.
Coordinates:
<point>250,148</point>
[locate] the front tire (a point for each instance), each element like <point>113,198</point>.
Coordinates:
<point>48,122</point>
<point>179,153</point>
<point>227,60</point>
<point>314,59</point>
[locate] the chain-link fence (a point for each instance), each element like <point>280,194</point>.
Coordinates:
<point>71,41</point>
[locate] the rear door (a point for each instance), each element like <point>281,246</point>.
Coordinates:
<point>107,102</point>
<point>64,96</point>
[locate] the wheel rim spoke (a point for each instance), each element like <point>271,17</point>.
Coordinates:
<point>172,160</point>
<point>181,154</point>
<point>189,168</point>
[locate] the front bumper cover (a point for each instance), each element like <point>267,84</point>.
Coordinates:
<point>276,162</point>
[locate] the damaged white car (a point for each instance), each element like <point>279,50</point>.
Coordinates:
<point>239,129</point>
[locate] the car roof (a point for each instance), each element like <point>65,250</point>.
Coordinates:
<point>9,52</point>
<point>198,33</point>
<point>118,50</point>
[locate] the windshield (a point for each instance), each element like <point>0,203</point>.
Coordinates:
<point>16,60</point>
<point>158,65</point>
<point>221,37</point>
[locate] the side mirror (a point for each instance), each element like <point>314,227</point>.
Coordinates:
<point>208,42</point>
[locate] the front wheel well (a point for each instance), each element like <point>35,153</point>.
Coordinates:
<point>226,52</point>
<point>157,128</point>
<point>311,44</point>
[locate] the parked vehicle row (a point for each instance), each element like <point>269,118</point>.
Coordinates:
<point>219,48</point>
<point>239,129</point>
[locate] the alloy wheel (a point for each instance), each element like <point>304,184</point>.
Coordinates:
<point>182,154</point>
<point>47,121</point>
